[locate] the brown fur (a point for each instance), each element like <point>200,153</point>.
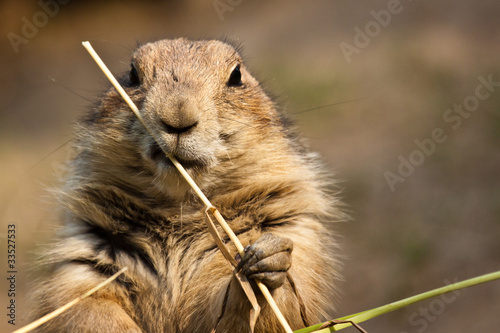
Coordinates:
<point>125,205</point>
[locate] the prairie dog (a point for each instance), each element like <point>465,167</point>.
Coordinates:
<point>124,204</point>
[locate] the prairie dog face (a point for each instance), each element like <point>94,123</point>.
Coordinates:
<point>199,102</point>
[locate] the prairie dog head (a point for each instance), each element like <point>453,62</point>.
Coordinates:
<point>198,100</point>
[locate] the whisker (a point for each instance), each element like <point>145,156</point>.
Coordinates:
<point>328,105</point>
<point>237,121</point>
<point>113,42</point>
<point>229,157</point>
<point>181,216</point>
<point>47,156</point>
<point>69,89</point>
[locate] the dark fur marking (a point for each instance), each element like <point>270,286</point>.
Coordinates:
<point>114,243</point>
<point>106,270</point>
<point>101,268</point>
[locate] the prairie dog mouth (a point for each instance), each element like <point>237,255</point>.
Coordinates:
<point>159,156</point>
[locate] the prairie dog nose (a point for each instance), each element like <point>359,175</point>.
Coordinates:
<point>179,117</point>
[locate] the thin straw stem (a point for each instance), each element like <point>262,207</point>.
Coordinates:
<point>112,79</point>
<point>65,307</point>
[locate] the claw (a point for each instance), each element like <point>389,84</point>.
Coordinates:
<point>268,260</point>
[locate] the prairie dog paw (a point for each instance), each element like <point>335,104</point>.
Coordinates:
<point>268,260</point>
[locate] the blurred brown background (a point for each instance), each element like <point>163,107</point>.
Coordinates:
<point>389,70</point>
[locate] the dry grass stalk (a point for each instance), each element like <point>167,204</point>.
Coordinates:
<point>65,307</point>
<point>193,185</point>
<point>242,279</point>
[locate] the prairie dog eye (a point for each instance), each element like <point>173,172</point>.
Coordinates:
<point>235,77</point>
<point>133,77</point>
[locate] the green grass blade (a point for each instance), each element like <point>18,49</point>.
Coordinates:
<point>369,314</point>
